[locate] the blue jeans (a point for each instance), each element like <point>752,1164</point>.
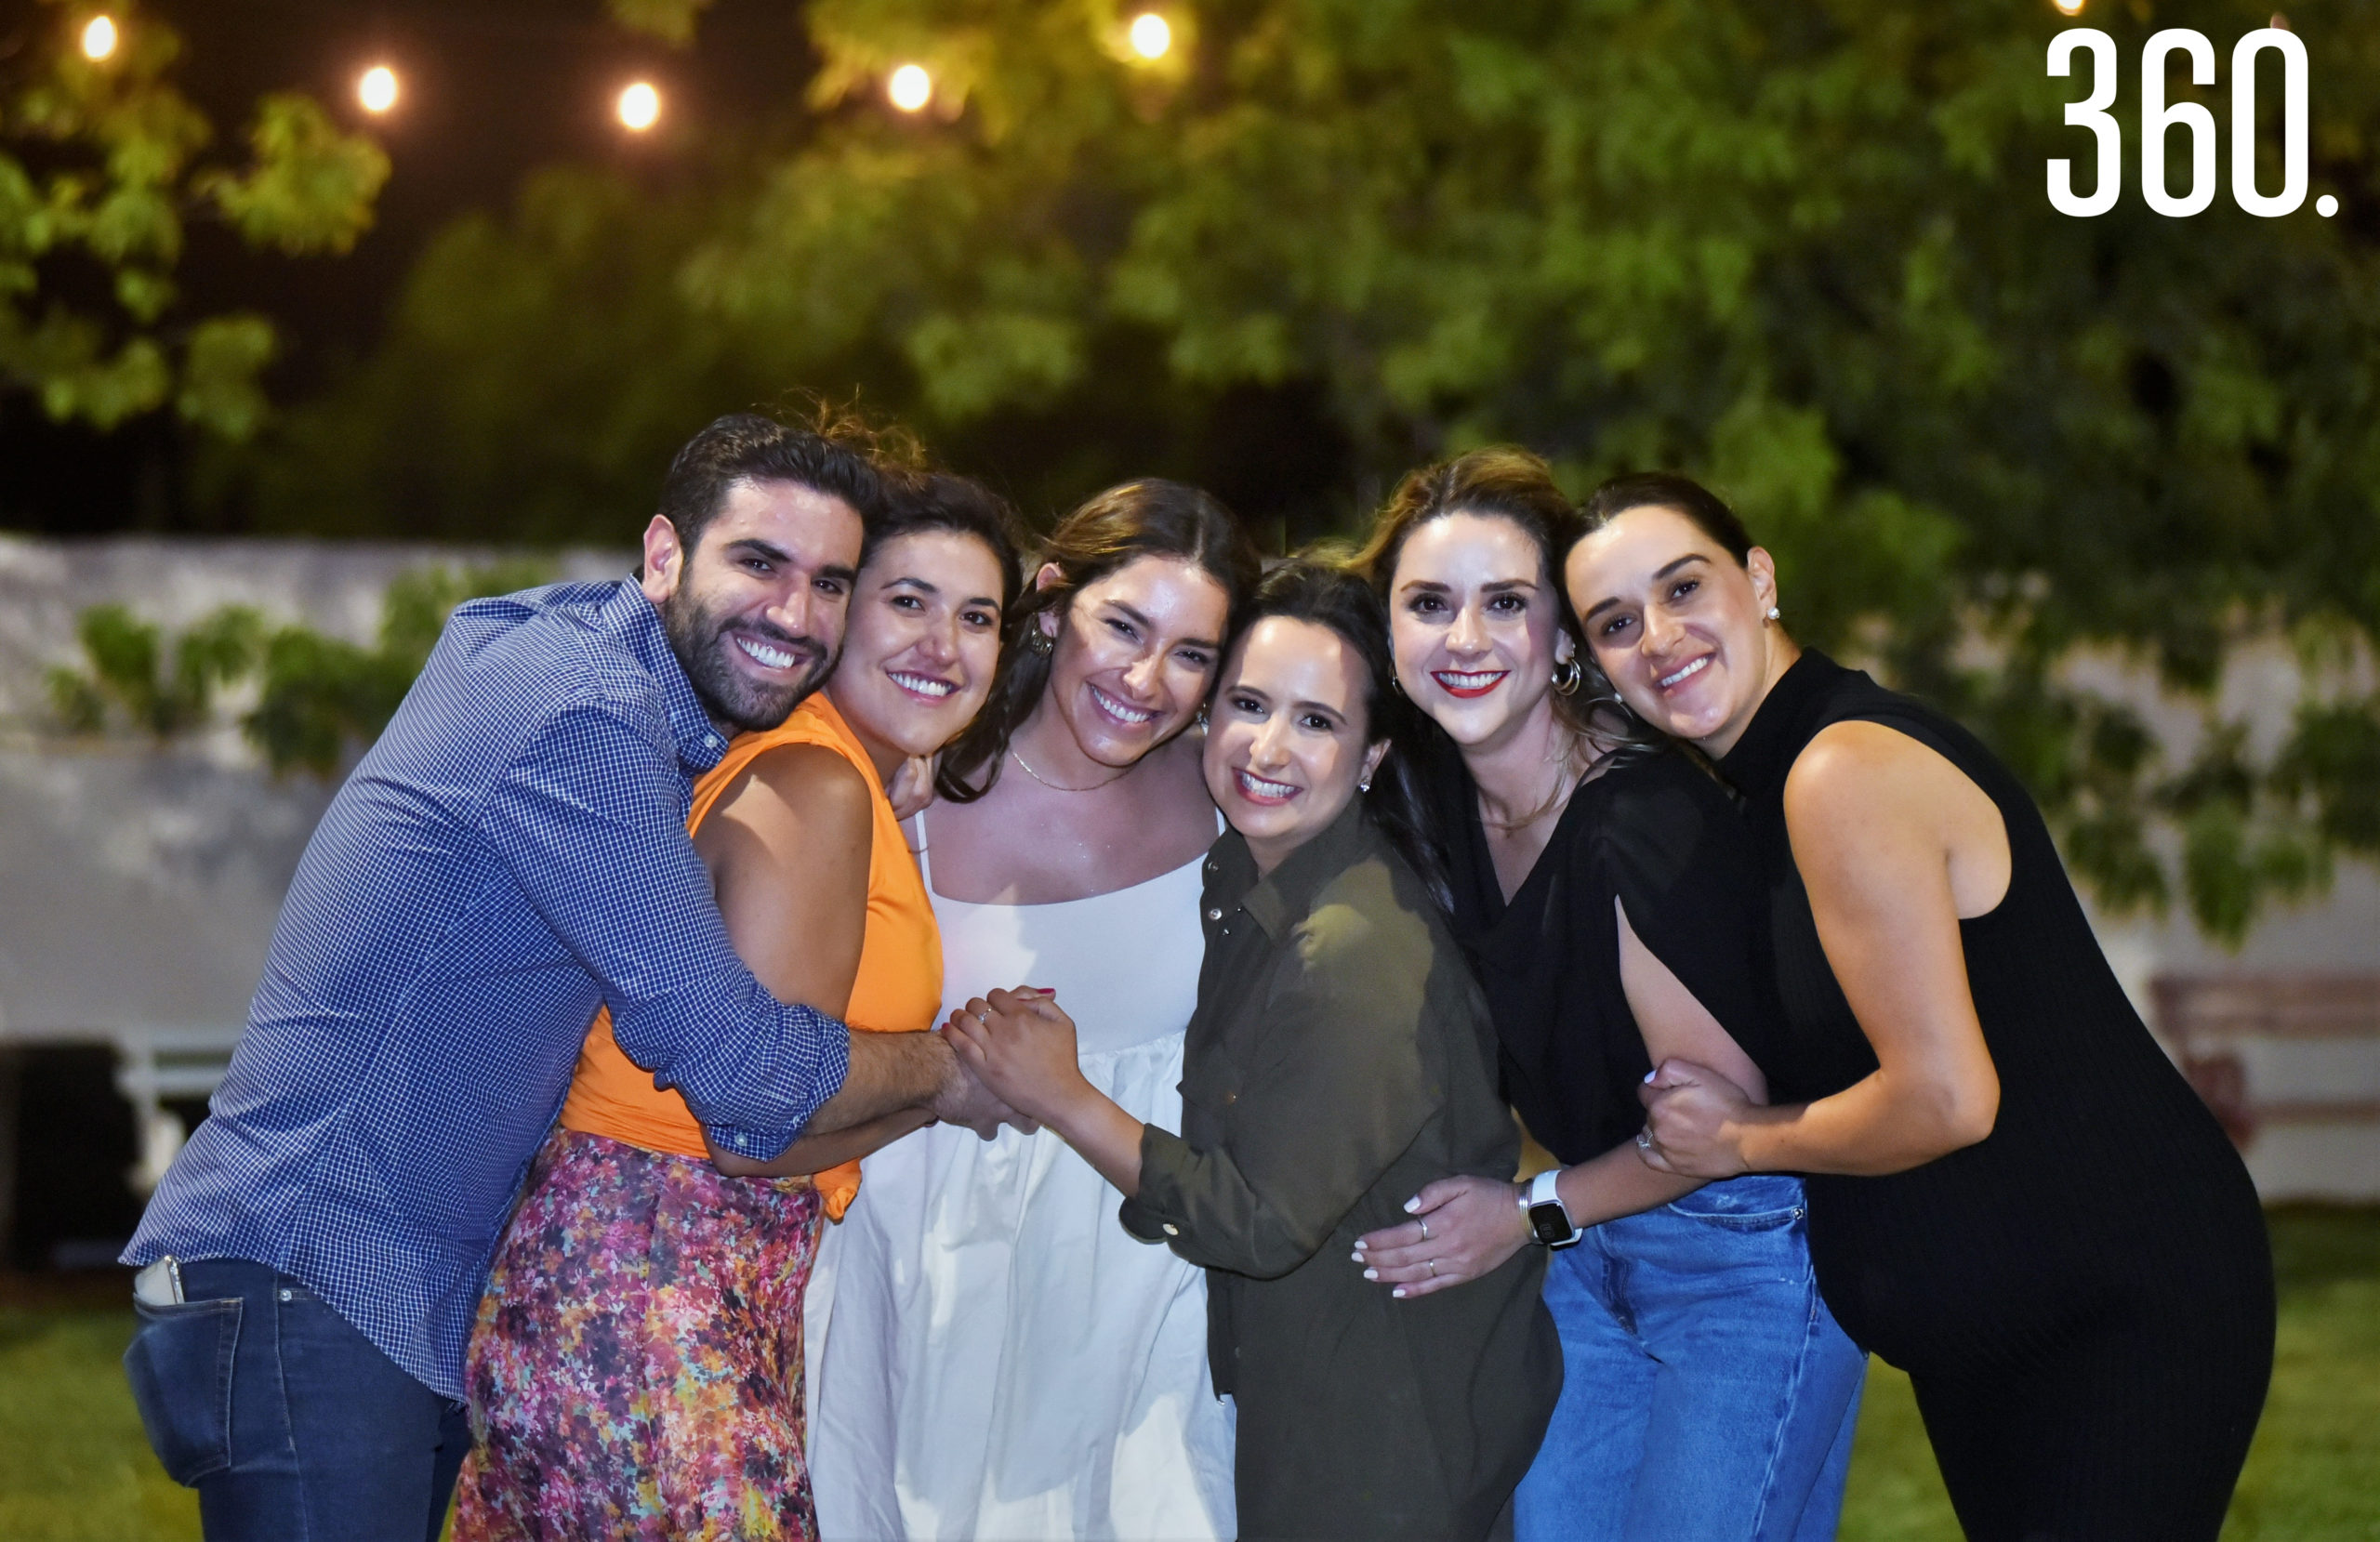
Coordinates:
<point>289,1423</point>
<point>1707,1393</point>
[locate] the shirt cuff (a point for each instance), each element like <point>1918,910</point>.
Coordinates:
<point>824,1078</point>
<point>1156,1213</point>
<point>752,1145</point>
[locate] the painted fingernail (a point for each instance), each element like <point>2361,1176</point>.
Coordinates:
<point>1650,1074</point>
<point>1398,1293</point>
<point>1371,1273</point>
<point>1357,1256</point>
<point>1412,1204</point>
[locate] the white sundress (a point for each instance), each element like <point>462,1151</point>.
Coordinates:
<point>991,1356</point>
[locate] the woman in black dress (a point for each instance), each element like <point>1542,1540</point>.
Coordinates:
<point>1604,887</point>
<point>2012,1194</point>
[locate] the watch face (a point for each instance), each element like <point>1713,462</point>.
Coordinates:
<point>1550,1224</point>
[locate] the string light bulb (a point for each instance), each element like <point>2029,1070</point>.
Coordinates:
<point>1150,35</point>
<point>100,38</point>
<point>640,107</point>
<point>909,88</point>
<point>2069,7</point>
<point>376,88</point>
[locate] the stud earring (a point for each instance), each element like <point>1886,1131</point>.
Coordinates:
<point>1365,786</point>
<point>1773,614</point>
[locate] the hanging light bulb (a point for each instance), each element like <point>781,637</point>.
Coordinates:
<point>909,88</point>
<point>376,88</point>
<point>100,38</point>
<point>1150,35</point>
<point>2069,7</point>
<point>639,106</point>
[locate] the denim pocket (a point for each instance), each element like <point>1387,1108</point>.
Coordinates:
<point>1761,1202</point>
<point>179,1365</point>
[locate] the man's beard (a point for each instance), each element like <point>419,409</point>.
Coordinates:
<point>698,636</point>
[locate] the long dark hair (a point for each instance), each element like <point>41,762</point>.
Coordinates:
<point>1313,587</point>
<point>941,500</point>
<point>1149,517</point>
<point>1707,510</point>
<point>1505,483</point>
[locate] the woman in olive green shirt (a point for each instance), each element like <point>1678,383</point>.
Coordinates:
<point>1340,1057</point>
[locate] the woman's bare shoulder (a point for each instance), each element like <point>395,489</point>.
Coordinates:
<point>789,792</point>
<point>1849,765</point>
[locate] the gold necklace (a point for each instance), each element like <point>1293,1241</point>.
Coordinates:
<point>1056,787</point>
<point>1553,801</point>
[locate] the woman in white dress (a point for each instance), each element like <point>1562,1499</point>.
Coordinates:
<point>993,1356</point>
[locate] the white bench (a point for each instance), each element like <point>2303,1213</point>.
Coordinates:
<point>2290,1064</point>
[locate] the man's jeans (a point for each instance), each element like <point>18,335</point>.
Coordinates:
<point>1707,1393</point>
<point>289,1423</point>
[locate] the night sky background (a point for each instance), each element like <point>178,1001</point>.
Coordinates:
<point>491,89</point>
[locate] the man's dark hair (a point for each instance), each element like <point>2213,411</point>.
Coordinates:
<point>840,457</point>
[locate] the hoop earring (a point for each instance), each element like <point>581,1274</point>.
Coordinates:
<point>1569,674</point>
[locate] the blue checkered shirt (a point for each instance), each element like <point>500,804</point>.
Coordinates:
<point>510,853</point>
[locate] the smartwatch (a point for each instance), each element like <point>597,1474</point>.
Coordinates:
<point>1548,1221</point>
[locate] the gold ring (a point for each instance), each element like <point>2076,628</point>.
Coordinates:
<point>1433,1266</point>
<point>1425,1230</point>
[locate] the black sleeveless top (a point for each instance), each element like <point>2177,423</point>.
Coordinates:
<point>2104,1177</point>
<point>1658,833</point>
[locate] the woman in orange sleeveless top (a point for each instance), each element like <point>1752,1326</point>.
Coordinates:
<point>636,1367</point>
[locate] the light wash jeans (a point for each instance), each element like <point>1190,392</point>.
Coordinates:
<point>1707,1393</point>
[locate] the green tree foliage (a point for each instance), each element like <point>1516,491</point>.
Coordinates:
<point>101,164</point>
<point>128,671</point>
<point>543,372</point>
<point>318,697</point>
<point>321,696</point>
<point>1799,247</point>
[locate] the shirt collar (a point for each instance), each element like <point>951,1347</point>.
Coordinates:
<point>632,618</point>
<point>1284,897</point>
<point>1758,763</point>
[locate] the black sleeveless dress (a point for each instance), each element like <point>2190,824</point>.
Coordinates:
<point>2083,1300</point>
<point>1660,834</point>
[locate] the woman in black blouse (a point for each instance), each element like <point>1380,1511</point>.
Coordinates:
<point>1340,1056</point>
<point>2012,1194</point>
<point>1604,888</point>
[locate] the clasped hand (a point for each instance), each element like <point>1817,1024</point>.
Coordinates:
<point>965,1101</point>
<point>1018,1044</point>
<point>1694,1121</point>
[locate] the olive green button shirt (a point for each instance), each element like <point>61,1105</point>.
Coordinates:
<point>1341,1058</point>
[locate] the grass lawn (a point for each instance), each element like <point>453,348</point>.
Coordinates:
<point>74,1465</point>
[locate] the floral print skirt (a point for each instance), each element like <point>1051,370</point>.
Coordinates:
<point>636,1370</point>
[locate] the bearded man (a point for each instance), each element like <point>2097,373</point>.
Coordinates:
<point>511,853</point>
